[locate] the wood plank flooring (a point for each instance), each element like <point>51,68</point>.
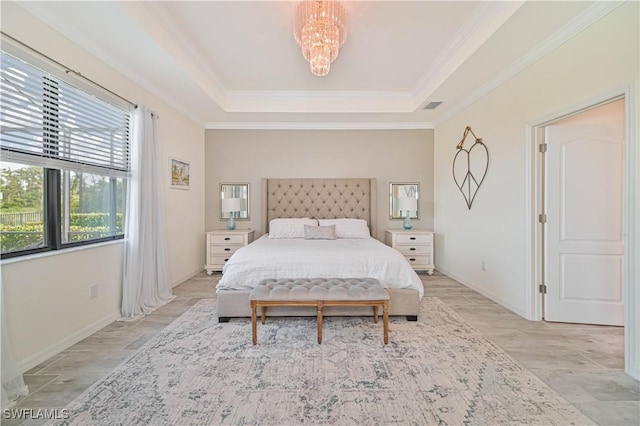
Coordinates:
<point>584,363</point>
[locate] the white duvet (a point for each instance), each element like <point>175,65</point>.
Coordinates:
<point>300,258</point>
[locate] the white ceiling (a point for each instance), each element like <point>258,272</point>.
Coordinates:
<point>234,64</point>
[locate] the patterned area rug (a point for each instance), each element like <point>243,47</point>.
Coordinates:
<point>437,371</point>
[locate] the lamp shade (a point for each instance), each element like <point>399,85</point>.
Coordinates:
<point>231,204</point>
<point>408,203</point>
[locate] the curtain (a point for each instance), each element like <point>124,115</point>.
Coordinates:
<point>12,381</point>
<point>145,284</point>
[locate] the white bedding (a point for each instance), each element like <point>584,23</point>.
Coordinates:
<point>300,258</point>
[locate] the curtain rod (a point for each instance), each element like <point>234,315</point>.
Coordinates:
<point>68,70</point>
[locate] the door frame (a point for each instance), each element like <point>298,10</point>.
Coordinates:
<point>631,209</point>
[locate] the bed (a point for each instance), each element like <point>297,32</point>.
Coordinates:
<point>295,206</point>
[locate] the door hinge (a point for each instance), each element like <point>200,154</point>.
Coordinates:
<point>542,218</point>
<point>542,147</point>
<point>542,289</point>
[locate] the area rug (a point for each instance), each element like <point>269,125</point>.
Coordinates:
<point>436,371</point>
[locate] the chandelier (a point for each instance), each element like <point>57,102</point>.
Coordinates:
<point>320,30</point>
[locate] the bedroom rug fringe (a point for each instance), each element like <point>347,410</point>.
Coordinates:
<point>438,370</point>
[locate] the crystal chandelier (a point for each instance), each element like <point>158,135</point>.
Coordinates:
<point>320,30</point>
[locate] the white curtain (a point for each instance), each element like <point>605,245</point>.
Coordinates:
<point>145,284</point>
<point>12,381</point>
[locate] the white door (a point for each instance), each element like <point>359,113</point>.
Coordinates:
<point>584,245</point>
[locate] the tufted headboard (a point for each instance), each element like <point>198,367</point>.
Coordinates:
<point>319,199</point>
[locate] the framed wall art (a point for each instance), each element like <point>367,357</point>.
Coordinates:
<point>180,173</point>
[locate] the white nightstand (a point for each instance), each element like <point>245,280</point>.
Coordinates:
<point>222,244</point>
<point>416,245</point>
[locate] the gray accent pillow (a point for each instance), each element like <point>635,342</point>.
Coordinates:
<point>320,232</point>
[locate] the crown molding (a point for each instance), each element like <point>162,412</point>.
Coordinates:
<point>584,20</point>
<point>482,24</point>
<point>319,126</point>
<point>319,102</point>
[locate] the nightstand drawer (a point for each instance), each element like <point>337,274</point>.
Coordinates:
<point>413,239</point>
<point>414,249</point>
<point>226,239</point>
<point>228,249</point>
<point>218,261</point>
<point>418,261</point>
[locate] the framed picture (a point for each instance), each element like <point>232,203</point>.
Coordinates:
<point>179,173</point>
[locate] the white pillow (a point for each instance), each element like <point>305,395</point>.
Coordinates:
<point>289,227</point>
<point>348,228</point>
<point>319,232</point>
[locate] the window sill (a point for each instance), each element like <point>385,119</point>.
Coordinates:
<point>58,252</point>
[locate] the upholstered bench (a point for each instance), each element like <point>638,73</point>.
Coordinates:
<point>320,292</point>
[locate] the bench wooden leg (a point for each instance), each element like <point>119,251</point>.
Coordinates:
<point>319,305</point>
<point>385,321</point>
<point>263,316</point>
<point>254,321</point>
<point>319,322</point>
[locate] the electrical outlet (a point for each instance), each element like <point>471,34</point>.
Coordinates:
<point>94,291</point>
<point>483,265</point>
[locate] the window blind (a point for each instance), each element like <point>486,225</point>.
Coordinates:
<point>47,122</point>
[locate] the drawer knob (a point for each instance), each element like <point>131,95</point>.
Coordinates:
<point>412,249</point>
<point>412,259</point>
<point>227,238</point>
<point>226,259</point>
<point>227,249</point>
<point>412,238</point>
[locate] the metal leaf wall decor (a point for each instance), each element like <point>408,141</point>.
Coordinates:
<point>470,167</point>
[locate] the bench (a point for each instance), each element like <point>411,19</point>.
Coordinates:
<point>320,292</point>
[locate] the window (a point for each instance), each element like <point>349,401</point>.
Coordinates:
<point>22,213</point>
<point>91,206</point>
<point>64,161</point>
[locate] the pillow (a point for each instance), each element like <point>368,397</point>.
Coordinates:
<point>348,228</point>
<point>289,227</point>
<point>320,232</point>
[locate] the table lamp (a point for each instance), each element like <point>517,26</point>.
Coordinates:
<point>231,206</point>
<point>408,204</point>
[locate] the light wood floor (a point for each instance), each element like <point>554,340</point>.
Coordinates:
<point>585,364</point>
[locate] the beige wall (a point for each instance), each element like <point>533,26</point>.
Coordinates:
<point>387,155</point>
<point>599,61</point>
<point>48,298</point>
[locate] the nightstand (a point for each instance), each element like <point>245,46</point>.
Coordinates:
<point>222,244</point>
<point>416,245</point>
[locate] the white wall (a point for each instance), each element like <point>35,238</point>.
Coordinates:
<point>387,155</point>
<point>48,303</point>
<point>601,59</point>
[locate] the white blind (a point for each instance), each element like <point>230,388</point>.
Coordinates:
<point>47,122</point>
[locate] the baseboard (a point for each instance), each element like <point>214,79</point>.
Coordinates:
<point>184,278</point>
<point>634,372</point>
<point>485,293</point>
<point>37,358</point>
